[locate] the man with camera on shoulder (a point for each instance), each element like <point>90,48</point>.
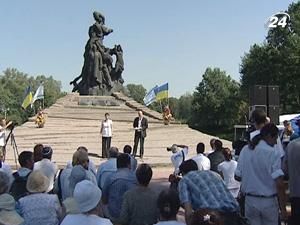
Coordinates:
<point>179,155</point>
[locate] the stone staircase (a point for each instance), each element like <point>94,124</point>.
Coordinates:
<point>137,106</point>
<point>70,125</point>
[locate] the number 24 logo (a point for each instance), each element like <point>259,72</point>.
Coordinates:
<point>279,19</point>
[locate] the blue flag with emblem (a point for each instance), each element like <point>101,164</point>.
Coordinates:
<point>150,97</point>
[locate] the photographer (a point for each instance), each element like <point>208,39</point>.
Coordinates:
<point>178,156</point>
<point>3,127</point>
<point>3,166</point>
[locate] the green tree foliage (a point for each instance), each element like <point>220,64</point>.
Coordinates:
<point>13,84</point>
<point>137,92</point>
<point>184,108</point>
<point>156,106</point>
<point>180,107</point>
<point>216,103</point>
<point>173,104</point>
<point>277,62</point>
<point>52,89</point>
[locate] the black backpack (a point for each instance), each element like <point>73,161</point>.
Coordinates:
<point>18,187</point>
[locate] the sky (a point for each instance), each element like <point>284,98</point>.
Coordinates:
<point>170,41</point>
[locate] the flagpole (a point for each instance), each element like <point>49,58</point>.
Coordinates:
<point>162,110</point>
<point>168,102</point>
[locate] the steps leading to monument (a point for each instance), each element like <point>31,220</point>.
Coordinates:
<point>70,125</point>
<point>135,105</point>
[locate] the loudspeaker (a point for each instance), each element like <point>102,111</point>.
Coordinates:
<point>273,95</point>
<point>273,113</point>
<point>258,95</point>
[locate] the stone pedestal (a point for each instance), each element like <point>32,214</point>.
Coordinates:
<point>98,100</point>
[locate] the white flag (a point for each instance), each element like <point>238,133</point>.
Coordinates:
<point>150,96</point>
<point>39,94</point>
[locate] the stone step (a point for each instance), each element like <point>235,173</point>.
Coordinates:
<point>69,125</point>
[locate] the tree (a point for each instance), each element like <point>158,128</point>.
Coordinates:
<point>52,89</point>
<point>277,62</point>
<point>184,107</point>
<point>12,86</point>
<point>137,92</point>
<point>216,102</point>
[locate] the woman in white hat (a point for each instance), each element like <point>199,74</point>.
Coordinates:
<point>8,214</point>
<point>39,207</point>
<point>88,196</point>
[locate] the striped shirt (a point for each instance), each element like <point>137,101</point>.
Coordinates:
<point>206,190</point>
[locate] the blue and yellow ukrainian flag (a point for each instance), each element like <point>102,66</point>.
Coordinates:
<point>162,92</point>
<point>28,98</point>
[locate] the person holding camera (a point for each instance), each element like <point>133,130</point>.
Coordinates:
<point>3,127</point>
<point>179,155</point>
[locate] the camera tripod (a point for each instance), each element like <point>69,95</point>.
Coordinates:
<point>13,143</point>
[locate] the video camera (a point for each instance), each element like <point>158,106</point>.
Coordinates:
<point>12,125</point>
<point>173,148</point>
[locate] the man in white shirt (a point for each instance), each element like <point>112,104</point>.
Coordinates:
<point>2,134</point>
<point>106,132</point>
<point>3,126</point>
<point>202,161</point>
<point>260,119</point>
<point>261,176</point>
<point>178,156</point>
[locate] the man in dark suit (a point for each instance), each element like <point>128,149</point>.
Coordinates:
<point>140,124</point>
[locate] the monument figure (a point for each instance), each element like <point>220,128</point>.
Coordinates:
<point>102,69</point>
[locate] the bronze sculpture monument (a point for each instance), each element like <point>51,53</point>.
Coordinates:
<point>101,74</point>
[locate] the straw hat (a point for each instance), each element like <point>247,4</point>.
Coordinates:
<point>37,182</point>
<point>87,195</point>
<point>8,214</point>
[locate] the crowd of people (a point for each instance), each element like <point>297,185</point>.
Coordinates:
<point>218,186</point>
